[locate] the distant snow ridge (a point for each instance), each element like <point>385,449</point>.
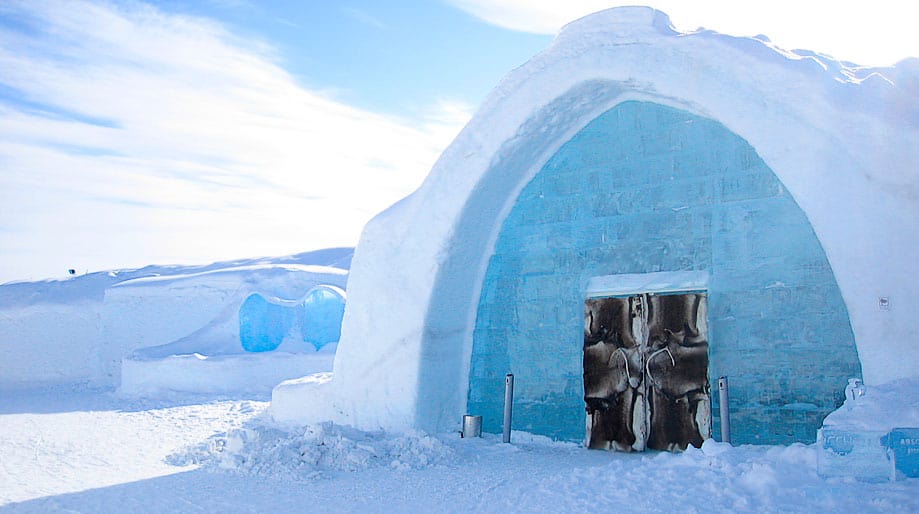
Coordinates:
<point>313,451</point>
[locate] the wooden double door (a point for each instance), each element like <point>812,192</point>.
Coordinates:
<point>646,372</point>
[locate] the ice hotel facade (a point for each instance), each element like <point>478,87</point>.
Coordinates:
<point>632,214</point>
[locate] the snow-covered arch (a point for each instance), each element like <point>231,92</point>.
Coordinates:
<point>840,139</point>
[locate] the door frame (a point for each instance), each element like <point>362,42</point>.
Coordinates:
<point>646,285</point>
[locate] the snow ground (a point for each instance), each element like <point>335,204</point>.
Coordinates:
<point>66,451</point>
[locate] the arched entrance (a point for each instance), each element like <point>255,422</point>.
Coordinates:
<point>644,189</point>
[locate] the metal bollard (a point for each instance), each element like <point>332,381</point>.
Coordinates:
<point>472,426</point>
<point>508,405</point>
<point>724,409</point>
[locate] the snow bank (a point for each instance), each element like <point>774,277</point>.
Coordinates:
<point>842,139</point>
<point>51,343</point>
<point>313,451</point>
<point>101,453</point>
<point>535,474</point>
<point>219,374</point>
<point>77,331</point>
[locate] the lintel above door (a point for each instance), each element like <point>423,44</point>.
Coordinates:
<point>657,282</point>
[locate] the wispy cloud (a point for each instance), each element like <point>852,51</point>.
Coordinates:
<point>877,33</point>
<point>364,17</point>
<point>129,135</point>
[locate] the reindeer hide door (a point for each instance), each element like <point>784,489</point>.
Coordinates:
<point>646,372</point>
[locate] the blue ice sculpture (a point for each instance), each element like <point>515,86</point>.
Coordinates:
<point>263,324</point>
<point>321,314</point>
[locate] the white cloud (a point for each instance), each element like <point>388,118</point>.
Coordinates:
<point>877,33</point>
<point>147,137</point>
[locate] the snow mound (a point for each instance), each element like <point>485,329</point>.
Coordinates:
<point>313,451</point>
<point>881,409</point>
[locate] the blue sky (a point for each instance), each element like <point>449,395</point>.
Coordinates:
<point>398,56</point>
<point>134,132</point>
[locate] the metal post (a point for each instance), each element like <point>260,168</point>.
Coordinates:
<point>508,405</point>
<point>724,409</point>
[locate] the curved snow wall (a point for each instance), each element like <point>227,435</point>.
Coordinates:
<point>647,188</point>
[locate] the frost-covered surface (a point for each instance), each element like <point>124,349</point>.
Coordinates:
<point>202,309</point>
<point>228,374</point>
<point>313,451</point>
<point>881,409</point>
<point>853,439</point>
<point>77,331</point>
<point>648,282</point>
<point>97,453</point>
<point>842,139</point>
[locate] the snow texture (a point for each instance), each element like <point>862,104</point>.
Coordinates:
<point>842,139</point>
<point>76,332</point>
<point>313,451</point>
<point>881,409</point>
<point>219,374</point>
<point>66,452</point>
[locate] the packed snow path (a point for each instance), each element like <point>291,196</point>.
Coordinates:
<point>94,452</point>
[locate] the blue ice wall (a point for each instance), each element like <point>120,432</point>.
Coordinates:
<point>320,316</point>
<point>263,324</point>
<point>647,188</point>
